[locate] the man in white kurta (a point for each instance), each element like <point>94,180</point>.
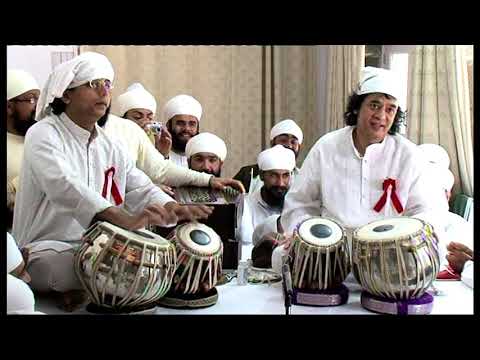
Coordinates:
<point>363,172</point>
<point>22,95</point>
<point>276,165</point>
<point>73,174</point>
<point>182,115</point>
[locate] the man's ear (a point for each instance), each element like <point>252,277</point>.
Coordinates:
<point>66,97</point>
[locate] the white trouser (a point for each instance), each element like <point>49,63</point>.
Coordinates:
<point>20,299</point>
<point>51,266</point>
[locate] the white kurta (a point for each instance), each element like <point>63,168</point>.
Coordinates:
<point>255,211</point>
<point>467,274</point>
<point>179,159</point>
<point>148,158</point>
<point>15,154</point>
<point>62,179</point>
<point>336,182</point>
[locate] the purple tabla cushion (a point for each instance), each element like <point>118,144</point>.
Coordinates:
<point>329,297</point>
<point>419,306</point>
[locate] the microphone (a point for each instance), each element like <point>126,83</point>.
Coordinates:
<point>287,286</point>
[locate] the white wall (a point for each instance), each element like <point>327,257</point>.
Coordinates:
<point>35,59</point>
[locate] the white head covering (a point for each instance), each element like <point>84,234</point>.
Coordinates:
<point>182,105</point>
<point>19,82</point>
<point>14,256</point>
<point>276,158</point>
<point>136,97</point>
<point>435,154</point>
<point>441,175</point>
<point>206,142</point>
<point>70,74</point>
<point>287,126</point>
<point>378,80</point>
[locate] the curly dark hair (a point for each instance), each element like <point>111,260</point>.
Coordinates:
<point>58,107</point>
<point>355,102</point>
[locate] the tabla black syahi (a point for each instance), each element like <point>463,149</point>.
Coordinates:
<point>124,271</point>
<point>396,260</point>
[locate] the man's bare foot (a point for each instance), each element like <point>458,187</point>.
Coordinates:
<point>71,300</point>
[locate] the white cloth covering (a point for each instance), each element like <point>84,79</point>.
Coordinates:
<point>287,126</point>
<point>19,82</point>
<point>206,143</point>
<point>269,225</point>
<point>276,158</point>
<point>435,154</point>
<point>136,97</point>
<point>467,274</point>
<point>336,182</point>
<point>14,256</point>
<point>70,74</point>
<point>182,105</point>
<point>178,158</point>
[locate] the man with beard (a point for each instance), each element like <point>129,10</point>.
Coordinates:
<point>206,153</point>
<point>182,116</point>
<point>276,165</point>
<point>22,95</point>
<point>286,133</point>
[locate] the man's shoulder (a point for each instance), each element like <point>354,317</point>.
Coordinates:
<point>116,123</point>
<point>47,126</point>
<point>332,138</point>
<point>405,146</point>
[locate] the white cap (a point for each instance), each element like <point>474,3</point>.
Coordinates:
<point>136,97</point>
<point>182,105</point>
<point>14,256</point>
<point>71,74</point>
<point>276,158</point>
<point>207,143</point>
<point>287,126</point>
<point>19,82</point>
<point>435,154</point>
<point>378,80</point>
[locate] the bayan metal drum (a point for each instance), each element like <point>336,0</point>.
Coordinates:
<point>396,260</point>
<point>124,271</point>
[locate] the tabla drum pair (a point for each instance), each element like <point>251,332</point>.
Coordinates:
<point>199,255</point>
<point>124,271</point>
<point>319,262</point>
<point>396,260</point>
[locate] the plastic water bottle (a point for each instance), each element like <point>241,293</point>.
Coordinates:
<point>242,273</point>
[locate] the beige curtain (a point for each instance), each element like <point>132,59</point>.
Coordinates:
<point>244,90</point>
<point>345,63</point>
<point>439,107</point>
<point>227,80</point>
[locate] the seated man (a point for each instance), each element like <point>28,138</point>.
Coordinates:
<point>266,236</point>
<point>206,153</point>
<point>73,175</point>
<point>276,165</point>
<point>286,133</point>
<point>22,95</point>
<point>182,115</point>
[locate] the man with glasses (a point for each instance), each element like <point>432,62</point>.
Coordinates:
<point>22,95</point>
<point>73,175</point>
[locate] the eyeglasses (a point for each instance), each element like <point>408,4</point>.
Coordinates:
<point>98,84</point>
<point>32,100</point>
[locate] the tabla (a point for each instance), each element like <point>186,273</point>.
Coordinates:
<point>199,267</point>
<point>396,260</point>
<point>124,271</point>
<point>319,262</point>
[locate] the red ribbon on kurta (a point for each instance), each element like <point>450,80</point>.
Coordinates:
<point>393,196</point>
<point>117,197</point>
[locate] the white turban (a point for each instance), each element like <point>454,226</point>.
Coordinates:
<point>435,154</point>
<point>70,74</point>
<point>207,143</point>
<point>276,158</point>
<point>136,97</point>
<point>378,80</point>
<point>14,256</point>
<point>441,175</point>
<point>19,82</point>
<point>287,126</point>
<point>182,105</point>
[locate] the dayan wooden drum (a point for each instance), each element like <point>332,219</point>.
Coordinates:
<point>199,252</point>
<point>124,270</point>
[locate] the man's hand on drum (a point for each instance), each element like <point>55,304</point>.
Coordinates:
<point>286,241</point>
<point>218,183</point>
<point>189,212</point>
<point>458,255</point>
<point>155,214</point>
